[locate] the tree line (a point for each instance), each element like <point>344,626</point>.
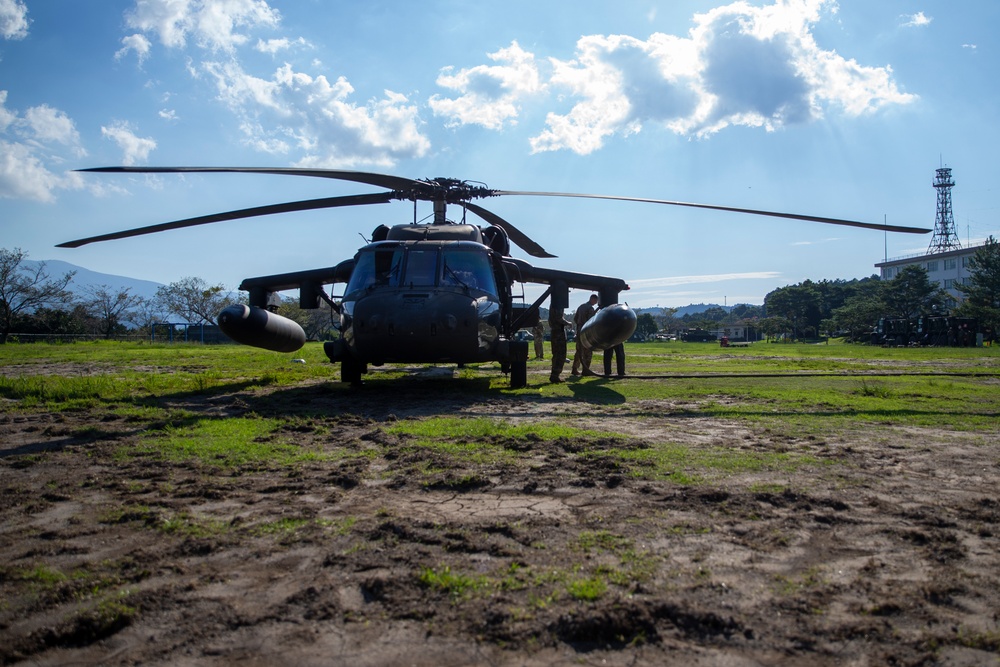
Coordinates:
<point>852,307</point>
<point>33,301</point>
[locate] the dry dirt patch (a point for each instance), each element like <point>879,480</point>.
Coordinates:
<point>884,551</point>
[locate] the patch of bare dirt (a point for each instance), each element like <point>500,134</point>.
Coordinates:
<point>885,550</point>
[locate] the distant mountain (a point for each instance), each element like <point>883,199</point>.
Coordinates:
<point>85,278</point>
<point>692,309</point>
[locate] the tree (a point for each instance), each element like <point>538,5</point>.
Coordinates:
<point>23,289</point>
<point>667,319</point>
<point>799,304</point>
<point>55,321</point>
<point>860,312</point>
<point>645,327</point>
<point>746,311</point>
<point>772,326</point>
<point>316,322</point>
<point>982,292</point>
<point>194,300</point>
<point>911,293</point>
<point>111,308</point>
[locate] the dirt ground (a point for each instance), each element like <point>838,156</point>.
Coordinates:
<point>885,551</point>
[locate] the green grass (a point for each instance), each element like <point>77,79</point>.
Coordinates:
<point>229,442</point>
<point>478,429</point>
<point>93,373</point>
<point>761,387</point>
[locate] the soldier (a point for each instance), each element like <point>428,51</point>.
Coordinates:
<point>539,333</point>
<point>557,325</point>
<point>618,351</point>
<point>583,356</point>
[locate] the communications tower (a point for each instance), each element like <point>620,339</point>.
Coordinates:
<point>945,237</point>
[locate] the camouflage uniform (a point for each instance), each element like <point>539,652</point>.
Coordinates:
<point>583,355</point>
<point>539,333</point>
<point>557,325</point>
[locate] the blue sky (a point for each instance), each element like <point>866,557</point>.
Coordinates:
<point>839,109</point>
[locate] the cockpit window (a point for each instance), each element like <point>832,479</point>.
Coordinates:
<point>421,267</point>
<point>468,268</point>
<point>378,267</point>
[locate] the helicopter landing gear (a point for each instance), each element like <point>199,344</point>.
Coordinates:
<point>518,364</point>
<point>351,370</point>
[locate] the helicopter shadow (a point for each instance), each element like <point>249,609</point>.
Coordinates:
<point>599,391</point>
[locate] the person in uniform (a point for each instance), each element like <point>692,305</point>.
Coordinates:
<point>557,327</point>
<point>539,334</point>
<point>583,356</point>
<point>619,354</point>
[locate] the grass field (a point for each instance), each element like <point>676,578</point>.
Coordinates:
<point>825,503</point>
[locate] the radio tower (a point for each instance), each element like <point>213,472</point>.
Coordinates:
<point>945,237</point>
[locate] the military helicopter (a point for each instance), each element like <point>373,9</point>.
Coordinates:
<point>424,292</point>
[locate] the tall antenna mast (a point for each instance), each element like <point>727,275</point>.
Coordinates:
<point>945,237</point>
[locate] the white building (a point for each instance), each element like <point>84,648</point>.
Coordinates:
<point>948,268</point>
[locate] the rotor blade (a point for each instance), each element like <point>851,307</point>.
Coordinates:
<point>773,214</point>
<point>305,205</point>
<point>380,180</point>
<point>516,235</point>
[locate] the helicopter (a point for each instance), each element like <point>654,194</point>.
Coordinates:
<point>424,292</point>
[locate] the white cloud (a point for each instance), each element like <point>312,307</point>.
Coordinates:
<point>917,20</point>
<point>738,65</point>
<point>29,145</point>
<point>168,114</point>
<point>13,19</point>
<point>273,46</point>
<point>490,94</point>
<point>319,118</point>
<point>23,175</point>
<point>48,125</point>
<point>7,117</point>
<point>137,43</point>
<point>286,111</point>
<point>134,148</point>
<point>213,24</point>
<point>671,281</point>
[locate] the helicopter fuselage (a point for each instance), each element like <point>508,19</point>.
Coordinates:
<point>423,301</point>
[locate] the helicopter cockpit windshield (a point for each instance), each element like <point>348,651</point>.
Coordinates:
<point>455,267</point>
<point>376,267</point>
<point>467,268</point>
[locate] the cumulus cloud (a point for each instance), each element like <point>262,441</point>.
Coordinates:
<point>52,125</point>
<point>286,111</point>
<point>29,145</point>
<point>219,25</point>
<point>739,65</point>
<point>13,19</point>
<point>274,46</point>
<point>489,94</point>
<point>319,118</point>
<point>134,148</point>
<point>134,43</point>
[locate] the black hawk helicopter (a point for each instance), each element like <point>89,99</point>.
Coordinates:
<point>437,292</point>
